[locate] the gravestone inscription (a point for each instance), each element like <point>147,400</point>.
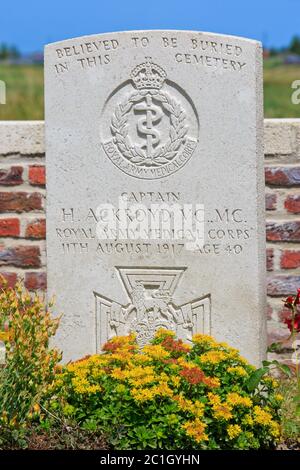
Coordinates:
<point>155,194</point>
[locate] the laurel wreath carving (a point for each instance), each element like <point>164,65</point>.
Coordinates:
<point>164,153</point>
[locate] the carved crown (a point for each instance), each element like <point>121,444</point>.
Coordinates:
<point>148,75</point>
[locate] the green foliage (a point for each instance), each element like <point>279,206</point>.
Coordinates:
<point>290,415</point>
<point>25,329</point>
<point>169,395</point>
<point>294,46</point>
<point>8,52</point>
<point>24,92</point>
<point>278,79</point>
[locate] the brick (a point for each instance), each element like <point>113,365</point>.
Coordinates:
<point>20,256</point>
<point>285,232</point>
<point>9,227</point>
<point>292,203</point>
<point>290,259</point>
<point>36,281</point>
<point>283,176</point>
<point>36,229</point>
<point>10,278</point>
<point>269,312</point>
<point>271,201</point>
<point>37,175</point>
<point>277,333</point>
<point>20,202</point>
<point>280,285</point>
<point>270,259</point>
<point>11,176</point>
<point>279,137</point>
<point>284,314</point>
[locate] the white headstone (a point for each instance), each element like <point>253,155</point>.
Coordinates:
<point>155,190</point>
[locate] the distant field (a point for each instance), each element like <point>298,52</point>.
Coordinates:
<point>278,91</point>
<point>25,91</point>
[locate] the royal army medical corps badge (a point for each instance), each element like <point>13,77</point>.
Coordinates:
<point>154,126</point>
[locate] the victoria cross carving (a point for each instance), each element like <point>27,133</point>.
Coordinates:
<point>153,125</point>
<point>150,307</point>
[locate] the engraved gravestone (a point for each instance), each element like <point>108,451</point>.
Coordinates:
<point>155,188</point>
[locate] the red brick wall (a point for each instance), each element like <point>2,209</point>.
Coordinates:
<point>22,217</point>
<point>22,202</point>
<point>282,174</point>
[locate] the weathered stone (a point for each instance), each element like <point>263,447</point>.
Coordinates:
<point>139,119</point>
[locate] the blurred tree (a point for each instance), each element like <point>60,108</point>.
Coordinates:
<point>8,52</point>
<point>3,51</point>
<point>294,46</point>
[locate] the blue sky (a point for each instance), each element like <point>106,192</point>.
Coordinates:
<point>30,24</point>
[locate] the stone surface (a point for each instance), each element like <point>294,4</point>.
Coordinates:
<point>279,137</point>
<point>152,118</point>
<point>25,138</point>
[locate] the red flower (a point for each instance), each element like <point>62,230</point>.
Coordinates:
<point>289,301</point>
<point>297,299</point>
<point>289,323</point>
<point>175,346</point>
<point>194,375</point>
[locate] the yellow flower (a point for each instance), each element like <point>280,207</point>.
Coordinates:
<point>205,340</point>
<point>122,356</point>
<point>4,335</point>
<point>213,357</point>
<point>36,408</point>
<point>235,399</point>
<point>237,370</point>
<point>82,386</point>
<point>140,371</point>
<point>161,333</point>
<point>97,372</point>
<point>183,363</point>
<point>156,351</point>
<point>275,430</point>
<point>195,429</point>
<point>213,398</point>
<point>222,411</point>
<point>196,408</point>
<point>162,389</point>
<point>248,420</point>
<point>118,374</point>
<point>142,358</point>
<point>261,416</point>
<point>175,380</point>
<point>233,430</point>
<point>214,382</point>
<point>142,394</point>
<point>271,381</point>
<point>141,381</point>
<point>278,397</point>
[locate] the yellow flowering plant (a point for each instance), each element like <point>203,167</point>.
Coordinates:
<point>26,327</point>
<point>168,395</point>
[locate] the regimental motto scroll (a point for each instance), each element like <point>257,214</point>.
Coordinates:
<point>150,307</point>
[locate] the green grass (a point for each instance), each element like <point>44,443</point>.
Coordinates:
<point>278,91</point>
<point>25,91</point>
<point>290,417</point>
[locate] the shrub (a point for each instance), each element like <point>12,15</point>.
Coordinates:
<point>169,395</point>
<point>25,328</point>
